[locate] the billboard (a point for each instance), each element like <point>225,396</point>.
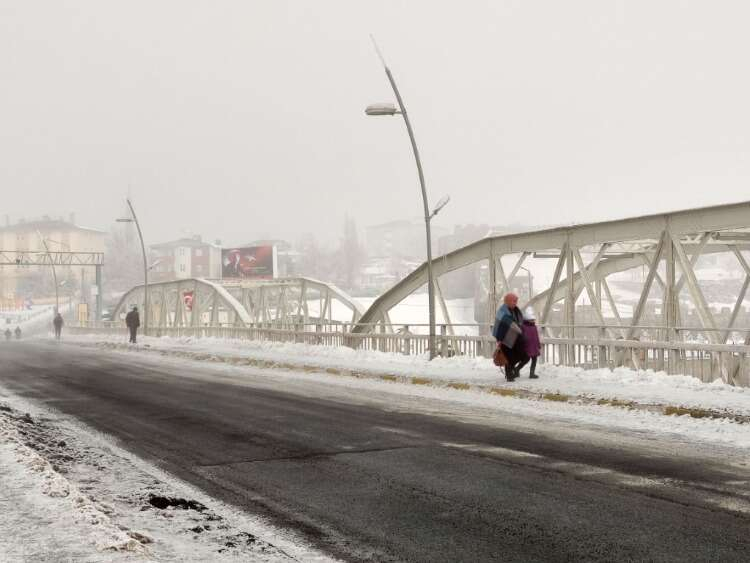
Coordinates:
<point>250,262</point>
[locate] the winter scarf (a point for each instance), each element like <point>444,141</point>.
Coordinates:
<point>507,327</point>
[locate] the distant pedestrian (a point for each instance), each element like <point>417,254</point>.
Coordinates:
<point>8,334</point>
<point>133,321</point>
<point>18,332</point>
<point>531,343</point>
<point>509,334</point>
<point>58,323</point>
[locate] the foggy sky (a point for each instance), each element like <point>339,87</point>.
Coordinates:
<point>242,120</point>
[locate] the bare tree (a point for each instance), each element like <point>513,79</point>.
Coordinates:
<point>352,255</point>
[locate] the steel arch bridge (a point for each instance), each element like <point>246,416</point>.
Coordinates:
<point>284,302</point>
<point>666,245</point>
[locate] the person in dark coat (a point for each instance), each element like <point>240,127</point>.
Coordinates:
<point>531,343</point>
<point>18,332</point>
<point>58,324</point>
<point>509,334</point>
<point>133,321</point>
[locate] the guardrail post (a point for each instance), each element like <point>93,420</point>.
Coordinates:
<point>601,359</point>
<point>443,342</point>
<point>407,341</point>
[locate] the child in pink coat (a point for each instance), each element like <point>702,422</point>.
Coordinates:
<point>532,345</point>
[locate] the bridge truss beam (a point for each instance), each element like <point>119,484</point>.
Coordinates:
<point>281,303</point>
<point>666,244</point>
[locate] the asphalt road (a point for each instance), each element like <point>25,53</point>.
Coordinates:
<point>371,476</point>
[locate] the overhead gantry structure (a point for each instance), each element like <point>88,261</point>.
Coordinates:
<point>667,246</point>
<point>280,303</point>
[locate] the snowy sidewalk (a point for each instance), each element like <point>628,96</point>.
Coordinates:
<point>623,387</point>
<point>70,493</point>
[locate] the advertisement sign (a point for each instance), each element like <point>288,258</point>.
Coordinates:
<point>187,299</point>
<point>251,262</point>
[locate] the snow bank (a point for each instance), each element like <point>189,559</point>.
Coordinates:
<point>624,384</point>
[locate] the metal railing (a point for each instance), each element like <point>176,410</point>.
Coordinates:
<point>689,353</point>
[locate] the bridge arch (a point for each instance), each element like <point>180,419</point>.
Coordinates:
<point>282,302</point>
<point>188,302</point>
<point>666,245</point>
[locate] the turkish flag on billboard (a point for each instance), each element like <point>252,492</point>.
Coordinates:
<point>251,262</point>
<point>187,299</point>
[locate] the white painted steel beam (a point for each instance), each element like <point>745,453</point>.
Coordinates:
<point>637,232</point>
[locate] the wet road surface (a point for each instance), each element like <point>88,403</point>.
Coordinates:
<point>369,479</point>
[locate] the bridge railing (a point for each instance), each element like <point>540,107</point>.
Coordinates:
<point>689,353</point>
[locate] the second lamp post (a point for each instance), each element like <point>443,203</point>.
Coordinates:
<point>145,262</point>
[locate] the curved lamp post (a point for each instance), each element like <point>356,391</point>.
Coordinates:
<point>530,278</point>
<point>54,271</point>
<point>390,109</point>
<point>146,268</point>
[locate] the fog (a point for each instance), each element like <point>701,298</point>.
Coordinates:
<point>243,120</point>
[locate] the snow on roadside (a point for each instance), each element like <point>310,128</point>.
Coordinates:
<point>471,405</point>
<point>71,494</point>
<point>625,384</point>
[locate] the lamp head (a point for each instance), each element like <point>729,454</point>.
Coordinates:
<point>381,109</point>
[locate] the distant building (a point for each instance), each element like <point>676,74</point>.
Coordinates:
<point>404,239</point>
<point>464,282</point>
<point>186,258</point>
<point>380,274</point>
<point>60,236</point>
<point>463,235</point>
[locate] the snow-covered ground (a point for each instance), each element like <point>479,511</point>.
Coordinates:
<point>100,503</point>
<point>414,311</point>
<point>70,494</point>
<point>38,320</point>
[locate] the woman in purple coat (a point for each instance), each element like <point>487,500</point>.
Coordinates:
<point>532,345</point>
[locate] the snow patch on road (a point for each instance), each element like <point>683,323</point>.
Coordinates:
<point>71,494</point>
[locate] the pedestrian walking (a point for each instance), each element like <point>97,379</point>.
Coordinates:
<point>8,334</point>
<point>531,342</point>
<point>133,321</point>
<point>18,333</point>
<point>58,323</point>
<point>509,334</point>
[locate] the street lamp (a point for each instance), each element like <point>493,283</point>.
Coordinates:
<point>391,109</point>
<point>64,284</point>
<point>54,271</point>
<point>530,281</point>
<point>146,268</point>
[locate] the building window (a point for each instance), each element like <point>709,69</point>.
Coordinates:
<point>198,252</point>
<point>182,267</point>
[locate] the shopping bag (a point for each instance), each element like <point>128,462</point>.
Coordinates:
<point>498,358</point>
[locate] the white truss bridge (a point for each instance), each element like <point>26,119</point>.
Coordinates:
<point>281,303</point>
<point>583,322</point>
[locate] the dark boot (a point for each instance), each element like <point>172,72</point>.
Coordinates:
<point>532,369</point>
